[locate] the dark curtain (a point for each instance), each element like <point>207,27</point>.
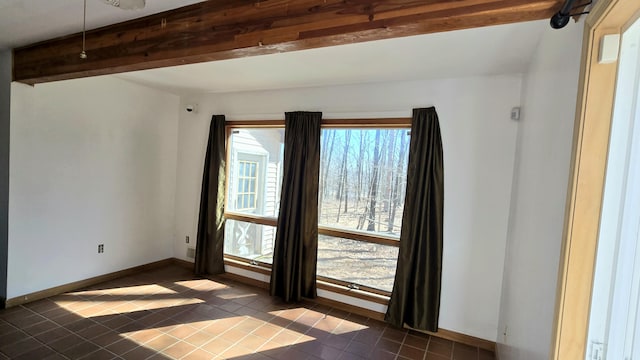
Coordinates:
<point>293,273</point>
<point>415,299</point>
<point>209,248</point>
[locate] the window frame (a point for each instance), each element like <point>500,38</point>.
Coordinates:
<point>230,126</point>
<point>358,123</point>
<point>242,179</point>
<point>363,236</point>
<point>588,168</point>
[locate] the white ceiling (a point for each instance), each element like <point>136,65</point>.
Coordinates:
<point>23,22</point>
<point>503,49</point>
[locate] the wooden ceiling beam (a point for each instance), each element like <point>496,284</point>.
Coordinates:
<point>215,30</point>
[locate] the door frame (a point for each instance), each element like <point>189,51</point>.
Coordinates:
<point>596,92</point>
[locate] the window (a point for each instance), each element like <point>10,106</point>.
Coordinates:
<point>361,200</point>
<point>254,180</point>
<point>247,180</point>
<point>357,262</point>
<point>249,240</point>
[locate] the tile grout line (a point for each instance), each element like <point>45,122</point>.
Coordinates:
<point>100,347</point>
<point>304,323</point>
<point>38,340</point>
<point>404,338</point>
<point>426,350</point>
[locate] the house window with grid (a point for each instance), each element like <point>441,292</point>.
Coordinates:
<point>246,198</point>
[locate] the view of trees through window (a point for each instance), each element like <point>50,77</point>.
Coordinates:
<point>363,179</point>
<point>361,199</point>
<point>362,190</point>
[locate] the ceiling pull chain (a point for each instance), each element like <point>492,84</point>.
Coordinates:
<point>83,54</point>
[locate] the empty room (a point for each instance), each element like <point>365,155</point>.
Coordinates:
<point>301,179</point>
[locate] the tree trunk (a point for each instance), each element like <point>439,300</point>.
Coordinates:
<point>399,171</point>
<point>374,184</point>
<point>323,165</point>
<point>390,174</point>
<point>345,179</point>
<point>342,179</point>
<point>360,164</point>
<point>389,169</point>
<point>329,152</point>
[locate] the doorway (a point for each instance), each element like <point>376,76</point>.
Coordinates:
<point>613,319</point>
<point>578,278</point>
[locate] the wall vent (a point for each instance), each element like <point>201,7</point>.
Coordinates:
<point>191,253</point>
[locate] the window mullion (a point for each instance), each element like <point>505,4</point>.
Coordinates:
<point>376,239</point>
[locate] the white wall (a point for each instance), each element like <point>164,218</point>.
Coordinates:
<point>5,101</point>
<point>538,203</point>
<point>479,146</point>
<point>93,161</point>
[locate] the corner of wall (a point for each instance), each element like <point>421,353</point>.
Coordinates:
<point>109,149</point>
<point>536,215</point>
<point>193,129</point>
<point>5,123</point>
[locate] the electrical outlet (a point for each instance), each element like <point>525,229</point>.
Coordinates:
<point>505,333</point>
<point>186,239</point>
<point>100,248</point>
<point>597,351</point>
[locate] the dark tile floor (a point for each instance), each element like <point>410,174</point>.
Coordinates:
<point>169,314</point>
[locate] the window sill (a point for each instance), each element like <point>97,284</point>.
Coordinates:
<point>247,266</point>
<point>321,284</point>
<point>356,293</point>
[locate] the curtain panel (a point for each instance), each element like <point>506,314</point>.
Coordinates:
<point>210,240</point>
<point>415,298</point>
<point>293,273</point>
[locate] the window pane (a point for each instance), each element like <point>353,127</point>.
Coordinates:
<point>357,262</point>
<point>363,179</point>
<point>251,241</point>
<point>255,171</point>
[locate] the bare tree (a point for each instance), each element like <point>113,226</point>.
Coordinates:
<point>345,185</point>
<point>389,169</point>
<point>401,166</point>
<point>360,165</point>
<point>362,179</point>
<point>331,136</point>
<point>342,179</point>
<point>374,184</point>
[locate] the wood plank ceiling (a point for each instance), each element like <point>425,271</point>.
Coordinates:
<point>223,29</point>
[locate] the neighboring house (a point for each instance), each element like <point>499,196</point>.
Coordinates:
<point>255,166</point>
